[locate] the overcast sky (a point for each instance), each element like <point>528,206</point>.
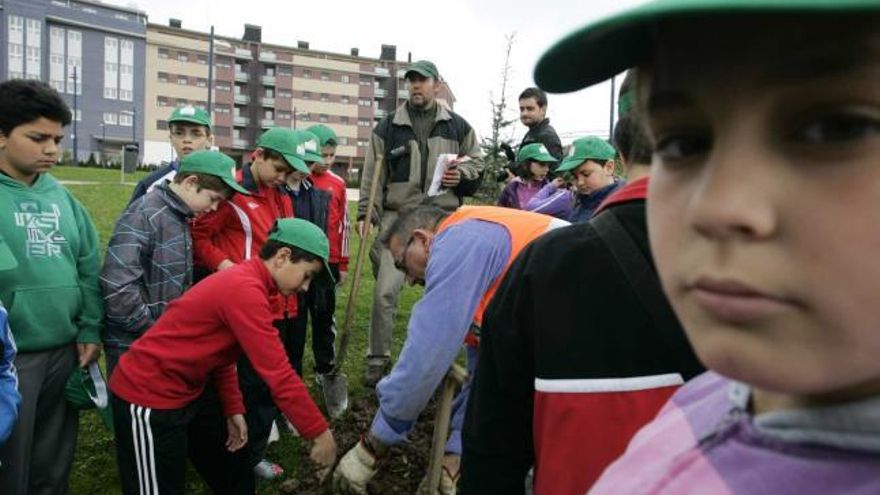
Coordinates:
<point>464,38</point>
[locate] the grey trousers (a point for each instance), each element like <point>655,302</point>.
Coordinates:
<point>37,457</point>
<point>386,295</point>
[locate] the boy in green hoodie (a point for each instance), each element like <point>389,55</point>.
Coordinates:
<point>54,303</point>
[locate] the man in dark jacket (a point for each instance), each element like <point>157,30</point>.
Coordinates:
<point>579,349</point>
<point>533,114</point>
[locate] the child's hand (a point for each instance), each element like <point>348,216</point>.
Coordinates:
<point>558,182</point>
<point>225,264</point>
<point>342,277</point>
<point>323,453</point>
<point>236,426</point>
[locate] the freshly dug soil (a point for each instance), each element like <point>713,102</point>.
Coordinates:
<point>402,472</point>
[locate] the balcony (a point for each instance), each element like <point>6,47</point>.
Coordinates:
<point>380,93</point>
<point>267,123</point>
<point>403,94</point>
<point>240,121</point>
<point>267,56</point>
<point>239,143</point>
<point>268,102</point>
<point>382,71</point>
<point>242,76</point>
<point>380,114</point>
<point>243,53</point>
<point>268,80</point>
<point>242,99</point>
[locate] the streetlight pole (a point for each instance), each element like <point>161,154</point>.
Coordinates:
<point>103,142</point>
<point>75,112</point>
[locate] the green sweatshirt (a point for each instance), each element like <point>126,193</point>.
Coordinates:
<point>52,296</point>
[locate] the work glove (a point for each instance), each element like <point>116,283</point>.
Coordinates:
<point>355,470</point>
<point>447,484</point>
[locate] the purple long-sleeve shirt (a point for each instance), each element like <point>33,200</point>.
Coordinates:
<point>465,261</point>
<point>553,201</point>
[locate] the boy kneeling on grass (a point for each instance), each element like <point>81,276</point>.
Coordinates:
<point>200,336</point>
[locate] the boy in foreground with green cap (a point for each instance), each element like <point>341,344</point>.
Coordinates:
<point>189,130</point>
<point>149,256</point>
<point>533,163</point>
<point>765,123</point>
<point>199,338</point>
<point>590,161</point>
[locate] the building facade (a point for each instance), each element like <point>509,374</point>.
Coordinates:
<point>92,54</point>
<point>256,85</point>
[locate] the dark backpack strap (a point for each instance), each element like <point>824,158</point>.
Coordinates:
<point>640,274</point>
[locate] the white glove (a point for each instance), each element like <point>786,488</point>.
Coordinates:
<point>355,470</point>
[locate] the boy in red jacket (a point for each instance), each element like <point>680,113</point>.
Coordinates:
<point>199,338</point>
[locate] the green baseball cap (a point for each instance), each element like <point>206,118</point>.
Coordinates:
<point>306,236</point>
<point>311,147</point>
<point>325,134</point>
<point>212,163</point>
<point>608,46</point>
<point>424,67</point>
<point>7,259</point>
<point>192,115</point>
<point>586,148</point>
<point>535,152</point>
<point>284,141</point>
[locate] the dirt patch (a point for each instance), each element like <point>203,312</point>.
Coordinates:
<point>405,467</point>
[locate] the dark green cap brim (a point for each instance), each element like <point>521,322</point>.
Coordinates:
<point>295,162</point>
<point>190,120</point>
<point>609,46</point>
<point>235,186</point>
<point>570,164</point>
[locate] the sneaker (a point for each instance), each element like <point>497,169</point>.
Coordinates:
<point>335,389</point>
<point>268,470</point>
<point>374,372</point>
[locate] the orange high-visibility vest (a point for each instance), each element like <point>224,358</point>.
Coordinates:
<point>523,227</point>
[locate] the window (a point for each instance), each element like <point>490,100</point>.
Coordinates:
<point>126,70</point>
<point>111,67</point>
<point>182,80</point>
<point>201,59</point>
<point>121,17</point>
<point>162,125</point>
<point>89,10</point>
<point>224,62</point>
<point>365,103</point>
<point>202,83</point>
<point>346,99</point>
<point>270,71</point>
<point>325,76</point>
<point>283,93</point>
<point>163,77</point>
<point>126,119</point>
<point>345,78</point>
<point>161,101</point>
<point>56,58</point>
<point>32,69</point>
<point>307,74</point>
<point>110,118</point>
<point>284,70</point>
<point>182,57</point>
<point>284,115</point>
<point>220,131</point>
<point>222,87</point>
<point>222,109</point>
<point>269,114</point>
<point>78,115</point>
<point>305,116</point>
<point>325,97</point>
<point>343,120</point>
<point>15,46</point>
<point>163,53</point>
<point>341,140</point>
<point>74,61</point>
<point>362,143</point>
<point>366,82</point>
<point>364,123</point>
<point>323,118</point>
<point>306,95</point>
<point>269,93</point>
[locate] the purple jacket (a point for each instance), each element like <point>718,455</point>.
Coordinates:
<point>705,441</point>
<point>510,195</point>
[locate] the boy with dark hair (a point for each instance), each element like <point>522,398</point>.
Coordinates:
<point>199,338</point>
<point>189,130</point>
<point>149,257</point>
<point>55,307</point>
<point>323,306</point>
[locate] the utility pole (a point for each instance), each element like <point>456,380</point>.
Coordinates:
<point>210,71</point>
<point>611,114</point>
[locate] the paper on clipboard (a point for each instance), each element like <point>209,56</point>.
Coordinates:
<point>444,162</point>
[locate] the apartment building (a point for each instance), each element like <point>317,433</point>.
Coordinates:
<point>256,85</point>
<point>92,54</point>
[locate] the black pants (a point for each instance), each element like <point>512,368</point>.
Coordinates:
<point>320,303</point>
<point>261,408</point>
<point>152,446</point>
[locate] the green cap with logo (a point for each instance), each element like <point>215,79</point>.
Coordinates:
<point>325,134</point>
<point>306,236</point>
<point>610,45</point>
<point>535,152</point>
<point>425,68</point>
<point>586,148</point>
<point>190,115</point>
<point>284,141</point>
<point>311,147</point>
<point>7,260</point>
<point>212,163</point>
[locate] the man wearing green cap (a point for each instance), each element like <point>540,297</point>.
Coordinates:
<point>590,161</point>
<point>163,373</point>
<point>190,130</point>
<point>533,163</point>
<point>10,399</point>
<point>407,145</point>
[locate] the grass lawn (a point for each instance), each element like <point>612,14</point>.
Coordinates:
<point>94,469</point>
